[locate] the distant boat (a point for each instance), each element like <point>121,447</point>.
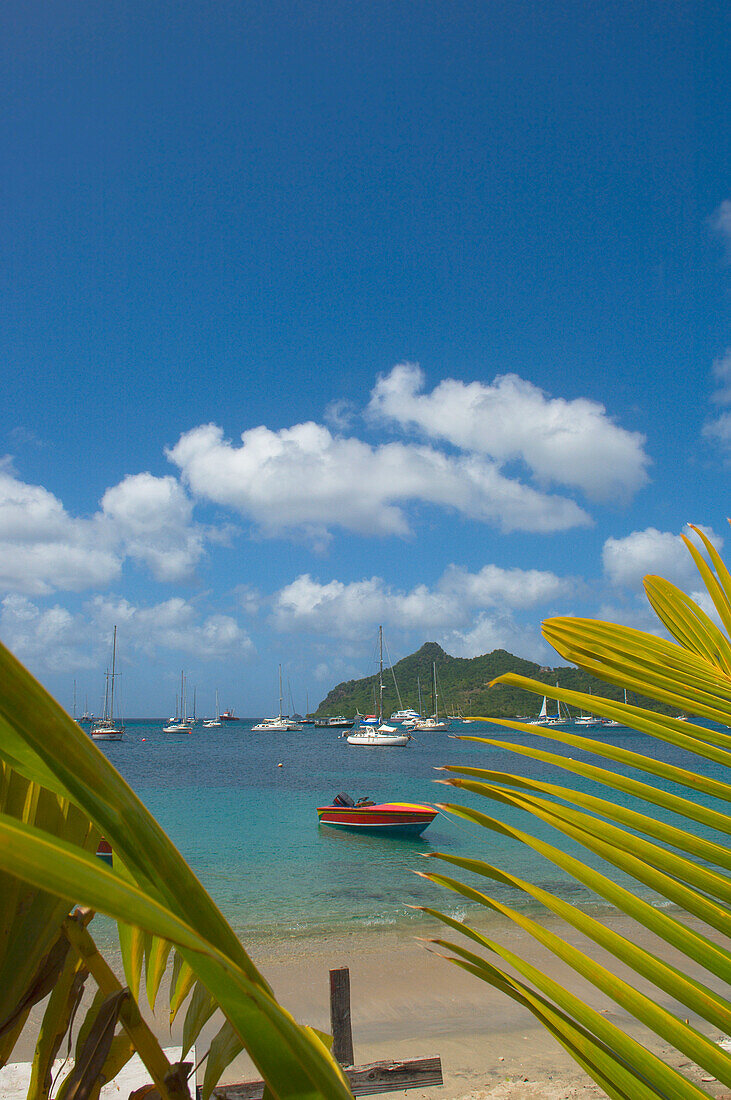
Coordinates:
<point>402,819</point>
<point>380,736</point>
<point>545,719</point>
<point>211,722</point>
<point>105,728</point>
<point>178,724</point>
<point>282,723</point>
<point>612,723</point>
<point>335,722</point>
<point>432,724</point>
<point>191,718</point>
<point>405,717</point>
<point>588,720</point>
<point>228,716</point>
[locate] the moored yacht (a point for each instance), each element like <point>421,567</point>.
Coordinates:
<point>105,728</point>
<point>381,735</point>
<point>281,723</point>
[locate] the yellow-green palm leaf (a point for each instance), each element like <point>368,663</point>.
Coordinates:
<point>671,844</point>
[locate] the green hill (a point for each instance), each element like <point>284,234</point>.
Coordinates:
<point>462,686</point>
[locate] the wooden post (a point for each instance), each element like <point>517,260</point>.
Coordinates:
<point>342,1032</point>
<point>377,1077</point>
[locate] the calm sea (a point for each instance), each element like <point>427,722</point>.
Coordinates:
<point>250,831</point>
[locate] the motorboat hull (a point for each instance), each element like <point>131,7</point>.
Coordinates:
<point>404,819</point>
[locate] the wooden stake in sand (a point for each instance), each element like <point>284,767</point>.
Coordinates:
<point>377,1077</point>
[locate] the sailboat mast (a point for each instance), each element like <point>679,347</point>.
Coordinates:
<point>436,693</point>
<point>280,691</point>
<point>114,661</point>
<point>380,676</point>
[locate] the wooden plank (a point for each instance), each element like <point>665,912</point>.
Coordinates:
<point>389,1076</point>
<point>340,1026</point>
<point>377,1077</point>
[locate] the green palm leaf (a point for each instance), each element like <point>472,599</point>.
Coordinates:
<point>673,845</point>
<point>151,888</point>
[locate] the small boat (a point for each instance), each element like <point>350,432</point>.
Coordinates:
<point>545,719</point>
<point>432,724</point>
<point>179,723</point>
<point>282,723</point>
<point>382,818</point>
<point>228,716</point>
<point>405,717</point>
<point>335,722</point>
<point>209,723</point>
<point>379,735</point>
<point>105,728</point>
<point>587,720</point>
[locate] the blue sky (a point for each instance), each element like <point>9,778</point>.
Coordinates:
<point>320,316</point>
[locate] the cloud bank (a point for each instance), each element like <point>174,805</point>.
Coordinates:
<point>44,549</point>
<point>336,608</point>
<point>569,443</point>
<point>307,479</point>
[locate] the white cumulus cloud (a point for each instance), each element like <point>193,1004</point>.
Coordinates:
<point>338,608</point>
<point>174,624</point>
<point>627,560</point>
<point>308,480</point>
<point>571,443</point>
<point>49,639</point>
<point>153,518</point>
<point>43,548</point>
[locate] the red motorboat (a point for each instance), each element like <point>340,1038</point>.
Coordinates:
<point>382,818</point>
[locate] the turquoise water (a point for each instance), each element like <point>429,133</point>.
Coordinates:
<point>250,831</point>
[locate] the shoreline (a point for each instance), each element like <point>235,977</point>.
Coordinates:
<point>407,1002</point>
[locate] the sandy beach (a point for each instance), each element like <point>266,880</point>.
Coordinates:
<point>407,1002</point>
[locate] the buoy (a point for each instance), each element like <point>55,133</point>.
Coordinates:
<point>144,738</point>
<point>280,765</point>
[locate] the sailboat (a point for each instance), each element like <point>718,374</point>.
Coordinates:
<point>210,722</point>
<point>178,724</point>
<point>191,719</point>
<point>546,719</point>
<point>432,724</point>
<point>587,720</point>
<point>105,728</point>
<point>281,723</point>
<point>380,735</point>
<point>612,723</point>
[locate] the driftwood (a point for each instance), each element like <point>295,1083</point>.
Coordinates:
<point>377,1077</point>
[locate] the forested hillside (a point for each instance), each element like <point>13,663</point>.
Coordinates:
<point>462,686</point>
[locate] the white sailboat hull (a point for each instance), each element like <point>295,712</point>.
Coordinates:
<point>379,737</point>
